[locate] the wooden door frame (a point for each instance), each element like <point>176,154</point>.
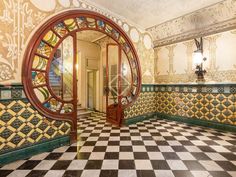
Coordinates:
<point>38,37</point>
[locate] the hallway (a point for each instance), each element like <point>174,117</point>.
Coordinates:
<point>154,147</point>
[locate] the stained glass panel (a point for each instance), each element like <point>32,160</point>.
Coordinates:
<point>81,21</point>
<point>108,29</point>
<point>42,94</point>
<point>100,24</point>
<point>60,29</point>
<point>126,47</point>
<point>67,108</point>
<point>39,63</point>
<point>115,34</point>
<point>44,49</point>
<point>121,40</point>
<point>53,104</point>
<point>70,23</point>
<point>51,38</point>
<point>91,23</point>
<point>38,78</point>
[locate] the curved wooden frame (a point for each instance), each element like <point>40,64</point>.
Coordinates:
<point>31,52</point>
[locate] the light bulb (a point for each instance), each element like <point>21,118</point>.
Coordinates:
<point>197,57</point>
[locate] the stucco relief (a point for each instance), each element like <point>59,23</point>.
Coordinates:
<point>212,52</point>
<point>44,5</point>
<point>20,17</point>
<point>209,20</point>
<point>189,52</point>
<point>216,72</point>
<point>146,58</point>
<point>171,54</point>
<point>17,20</point>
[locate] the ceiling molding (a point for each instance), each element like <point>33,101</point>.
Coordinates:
<point>113,14</point>
<point>213,19</point>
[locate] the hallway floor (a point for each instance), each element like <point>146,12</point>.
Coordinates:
<point>151,148</point>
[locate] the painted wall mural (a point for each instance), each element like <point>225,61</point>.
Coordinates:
<point>173,63</point>
<point>20,18</point>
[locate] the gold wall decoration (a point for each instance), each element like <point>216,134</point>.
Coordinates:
<point>171,59</point>
<point>220,65</point>
<point>19,18</point>
<point>212,47</point>
<point>189,52</point>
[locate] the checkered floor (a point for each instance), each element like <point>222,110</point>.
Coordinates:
<point>151,148</point>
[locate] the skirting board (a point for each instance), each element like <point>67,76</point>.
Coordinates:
<point>205,123</point>
<point>35,149</point>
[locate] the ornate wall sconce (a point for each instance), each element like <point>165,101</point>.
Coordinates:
<point>198,60</point>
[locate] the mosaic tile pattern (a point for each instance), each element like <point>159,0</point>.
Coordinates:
<point>153,148</point>
<point>146,103</point>
<point>207,102</point>
<point>21,125</point>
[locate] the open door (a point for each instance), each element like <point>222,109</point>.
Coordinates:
<point>113,88</point>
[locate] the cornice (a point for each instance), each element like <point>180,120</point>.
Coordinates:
<point>210,20</point>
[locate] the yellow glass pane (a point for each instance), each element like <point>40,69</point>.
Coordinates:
<point>51,38</point>
<point>70,23</point>
<point>39,63</point>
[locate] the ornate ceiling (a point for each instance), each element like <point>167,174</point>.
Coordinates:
<point>148,13</point>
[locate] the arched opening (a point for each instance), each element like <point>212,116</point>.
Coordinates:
<point>56,39</point>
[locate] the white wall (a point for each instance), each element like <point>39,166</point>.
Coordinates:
<point>86,50</point>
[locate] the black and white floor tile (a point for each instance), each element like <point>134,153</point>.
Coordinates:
<point>151,148</point>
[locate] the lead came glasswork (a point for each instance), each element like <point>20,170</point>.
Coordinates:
<point>67,108</point>
<point>54,105</point>
<point>91,23</point>
<point>60,29</point>
<point>44,49</point>
<point>81,21</point>
<point>39,63</point>
<point>108,29</point>
<point>100,24</point>
<point>38,78</point>
<point>71,25</point>
<point>50,98</point>
<point>42,93</point>
<point>51,38</point>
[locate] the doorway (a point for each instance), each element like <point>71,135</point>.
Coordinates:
<point>91,89</point>
<point>61,104</point>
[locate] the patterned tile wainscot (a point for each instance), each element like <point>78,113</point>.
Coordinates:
<point>21,125</point>
<point>214,103</point>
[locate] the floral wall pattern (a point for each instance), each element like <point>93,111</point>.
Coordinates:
<point>20,18</point>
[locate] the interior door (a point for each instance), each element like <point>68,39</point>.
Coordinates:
<point>113,88</point>
<point>91,90</point>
